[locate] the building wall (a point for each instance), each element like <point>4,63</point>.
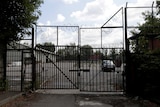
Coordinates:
<point>15,52</point>
<point>155,44</point>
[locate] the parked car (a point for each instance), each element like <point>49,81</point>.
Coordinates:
<point>108,65</point>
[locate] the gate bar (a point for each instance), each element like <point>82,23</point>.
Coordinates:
<point>112,16</point>
<point>54,26</point>
<point>33,62</point>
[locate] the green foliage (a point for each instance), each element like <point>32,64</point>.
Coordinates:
<point>158,6</point>
<point>113,53</point>
<point>145,58</point>
<point>71,52</point>
<point>146,62</point>
<point>68,52</point>
<point>140,45</point>
<point>47,46</point>
<point>16,16</point>
<point>86,52</point>
<point>3,85</point>
<point>146,31</point>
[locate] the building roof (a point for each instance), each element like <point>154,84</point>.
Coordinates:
<point>149,35</point>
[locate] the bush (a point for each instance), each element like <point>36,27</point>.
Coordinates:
<point>3,85</point>
<point>147,73</point>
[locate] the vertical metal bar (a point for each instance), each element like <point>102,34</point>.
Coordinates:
<point>35,34</point>
<point>79,59</point>
<point>43,75</point>
<point>76,76</point>
<point>79,66</point>
<point>79,37</point>
<point>127,52</point>
<point>5,64</point>
<point>60,65</point>
<point>56,78</point>
<point>60,74</point>
<point>57,35</point>
<point>33,62</point>
<point>22,78</point>
<point>101,37</point>
<point>123,24</point>
<point>123,48</point>
<point>125,31</point>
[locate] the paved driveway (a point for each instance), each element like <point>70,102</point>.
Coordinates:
<point>81,100</point>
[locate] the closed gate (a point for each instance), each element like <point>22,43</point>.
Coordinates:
<point>57,70</point>
<point>73,67</point>
<point>19,64</point>
<point>80,65</point>
<point>101,71</point>
<point>19,69</point>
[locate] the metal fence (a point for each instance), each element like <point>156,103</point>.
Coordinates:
<point>73,67</point>
<point>55,70</point>
<point>18,70</point>
<point>19,64</point>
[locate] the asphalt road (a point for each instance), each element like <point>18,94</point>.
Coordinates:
<point>80,100</point>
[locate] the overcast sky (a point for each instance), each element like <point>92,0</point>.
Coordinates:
<point>93,13</point>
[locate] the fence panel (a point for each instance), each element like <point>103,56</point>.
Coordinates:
<point>72,67</point>
<point>58,69</point>
<point>101,70</point>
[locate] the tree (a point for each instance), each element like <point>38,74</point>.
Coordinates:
<point>47,46</point>
<point>158,6</point>
<point>69,52</point>
<point>15,17</point>
<point>146,63</point>
<point>148,30</point>
<point>113,53</point>
<point>97,55</point>
<point>86,52</point>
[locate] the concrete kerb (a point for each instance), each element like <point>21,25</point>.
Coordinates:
<point>58,91</point>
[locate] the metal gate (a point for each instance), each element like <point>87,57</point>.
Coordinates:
<point>19,66</point>
<point>57,70</point>
<point>73,67</point>
<point>19,70</point>
<point>88,63</point>
<point>101,71</point>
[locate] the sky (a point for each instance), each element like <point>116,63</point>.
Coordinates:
<point>86,13</point>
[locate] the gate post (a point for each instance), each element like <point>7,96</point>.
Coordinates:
<point>5,66</point>
<point>33,62</point>
<point>126,47</point>
<point>79,67</point>
<point>127,55</point>
<point>22,73</point>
